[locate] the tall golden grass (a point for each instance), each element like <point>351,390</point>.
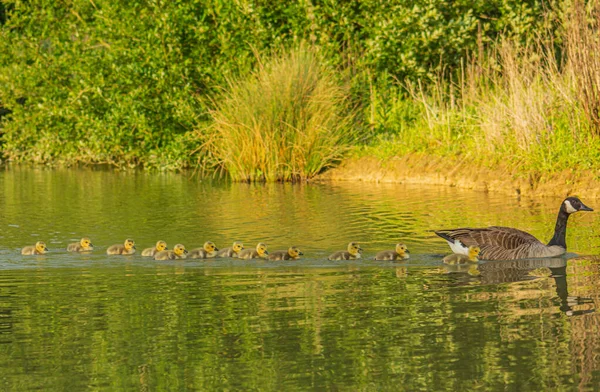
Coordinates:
<point>287,121</point>
<point>538,104</point>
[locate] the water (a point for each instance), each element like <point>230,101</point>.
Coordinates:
<point>97,322</point>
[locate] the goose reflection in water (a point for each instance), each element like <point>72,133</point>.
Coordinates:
<point>496,272</point>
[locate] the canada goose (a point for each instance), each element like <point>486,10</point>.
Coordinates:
<point>353,252</point>
<point>459,258</point>
<point>293,253</point>
<point>208,250</point>
<point>159,247</point>
<point>399,254</point>
<point>506,243</point>
<point>128,248</point>
<point>259,252</point>
<point>84,245</point>
<point>38,249</point>
<point>177,253</point>
<point>232,251</point>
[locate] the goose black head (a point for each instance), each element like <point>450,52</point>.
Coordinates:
<point>573,204</point>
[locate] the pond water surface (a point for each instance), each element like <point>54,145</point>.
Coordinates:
<point>78,322</point>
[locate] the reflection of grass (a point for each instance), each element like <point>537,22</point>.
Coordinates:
<point>287,121</point>
<point>519,106</point>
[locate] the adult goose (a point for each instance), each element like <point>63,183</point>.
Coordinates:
<point>506,243</point>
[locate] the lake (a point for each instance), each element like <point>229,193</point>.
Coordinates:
<point>97,322</point>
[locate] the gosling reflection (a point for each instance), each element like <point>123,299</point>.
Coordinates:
<point>496,272</point>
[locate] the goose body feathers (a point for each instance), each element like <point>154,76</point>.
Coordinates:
<point>507,243</point>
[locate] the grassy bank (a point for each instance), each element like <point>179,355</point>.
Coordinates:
<point>283,92</point>
<point>530,108</point>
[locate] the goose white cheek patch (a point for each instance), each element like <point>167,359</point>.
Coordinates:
<point>569,207</point>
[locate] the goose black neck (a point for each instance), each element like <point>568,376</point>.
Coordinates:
<point>560,230</point>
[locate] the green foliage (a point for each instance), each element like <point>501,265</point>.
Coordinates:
<point>287,121</point>
<point>126,82</point>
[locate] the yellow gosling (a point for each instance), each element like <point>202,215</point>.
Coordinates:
<point>232,251</point>
<point>456,258</point>
<point>208,250</point>
<point>293,253</point>
<point>399,254</point>
<point>354,252</point>
<point>38,249</point>
<point>179,252</point>
<point>159,247</point>
<point>128,248</point>
<point>84,245</point>
<point>259,253</point>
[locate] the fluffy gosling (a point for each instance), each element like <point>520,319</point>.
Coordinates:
<point>232,251</point>
<point>259,253</point>
<point>38,249</point>
<point>293,253</point>
<point>128,248</point>
<point>208,250</point>
<point>456,258</point>
<point>399,254</point>
<point>151,252</point>
<point>84,245</point>
<point>354,252</point>
<point>178,252</point>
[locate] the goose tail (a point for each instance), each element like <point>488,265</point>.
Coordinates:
<point>456,245</point>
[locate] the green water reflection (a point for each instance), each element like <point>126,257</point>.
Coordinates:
<point>78,322</point>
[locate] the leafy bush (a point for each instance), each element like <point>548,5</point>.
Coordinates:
<point>124,82</point>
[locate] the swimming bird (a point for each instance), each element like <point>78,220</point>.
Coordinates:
<point>354,252</point>
<point>399,254</point>
<point>459,258</point>
<point>128,248</point>
<point>38,249</point>
<point>259,252</point>
<point>159,247</point>
<point>177,253</point>
<point>293,253</point>
<point>84,245</point>
<point>232,251</point>
<point>506,243</point>
<point>208,250</point>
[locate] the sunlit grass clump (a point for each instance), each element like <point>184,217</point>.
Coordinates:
<point>287,121</point>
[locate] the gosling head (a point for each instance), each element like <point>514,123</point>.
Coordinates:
<point>261,249</point>
<point>474,253</point>
<point>237,246</point>
<point>129,244</point>
<point>179,250</point>
<point>209,246</point>
<point>402,250</point>
<point>40,246</point>
<point>294,252</point>
<point>573,204</point>
<point>86,243</point>
<point>160,246</point>
<point>354,248</point>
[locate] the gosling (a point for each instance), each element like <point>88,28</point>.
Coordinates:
<point>399,254</point>
<point>84,245</point>
<point>456,258</point>
<point>259,253</point>
<point>179,252</point>
<point>38,249</point>
<point>151,252</point>
<point>293,253</point>
<point>128,248</point>
<point>208,250</point>
<point>232,251</point>
<point>354,252</point>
